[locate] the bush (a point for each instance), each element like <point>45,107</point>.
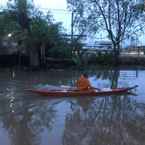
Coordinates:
<point>59,53</point>
<point>105,59</point>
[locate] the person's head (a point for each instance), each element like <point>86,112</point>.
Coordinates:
<point>85,75</point>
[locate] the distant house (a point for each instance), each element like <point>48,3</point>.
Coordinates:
<point>104,44</point>
<point>99,45</point>
<point>140,4</point>
<point>133,50</point>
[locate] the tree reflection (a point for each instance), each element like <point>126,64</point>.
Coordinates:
<point>27,122</point>
<point>106,122</point>
<point>112,75</point>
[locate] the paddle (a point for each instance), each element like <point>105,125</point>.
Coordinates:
<point>130,88</point>
<point>133,87</point>
<point>96,88</point>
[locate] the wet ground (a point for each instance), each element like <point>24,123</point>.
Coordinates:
<point>28,119</point>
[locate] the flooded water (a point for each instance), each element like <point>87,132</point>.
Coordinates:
<point>28,119</point>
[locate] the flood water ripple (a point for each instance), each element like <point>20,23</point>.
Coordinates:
<point>29,119</point>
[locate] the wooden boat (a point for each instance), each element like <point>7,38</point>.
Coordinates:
<point>67,92</point>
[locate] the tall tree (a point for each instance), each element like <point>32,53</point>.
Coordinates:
<point>22,10</point>
<point>116,18</point>
<point>8,25</point>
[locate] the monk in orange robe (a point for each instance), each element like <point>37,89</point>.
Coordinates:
<point>84,84</point>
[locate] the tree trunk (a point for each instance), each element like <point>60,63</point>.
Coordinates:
<point>116,53</point>
<point>1,43</point>
<point>42,55</point>
<point>34,58</point>
<point>114,78</point>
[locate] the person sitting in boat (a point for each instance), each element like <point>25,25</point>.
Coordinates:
<point>83,83</point>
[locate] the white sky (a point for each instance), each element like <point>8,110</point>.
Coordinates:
<point>52,4</point>
<point>58,9</point>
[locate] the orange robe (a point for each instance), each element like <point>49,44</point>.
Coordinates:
<point>83,83</point>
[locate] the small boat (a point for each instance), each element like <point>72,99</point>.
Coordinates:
<point>72,92</point>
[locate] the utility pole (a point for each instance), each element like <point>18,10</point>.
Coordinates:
<point>72,28</point>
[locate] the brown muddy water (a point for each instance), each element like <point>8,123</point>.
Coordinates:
<point>28,119</point>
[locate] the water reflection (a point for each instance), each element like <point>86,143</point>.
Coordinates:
<point>107,121</point>
<point>28,119</point>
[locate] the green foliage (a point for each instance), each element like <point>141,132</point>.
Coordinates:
<point>49,35</point>
<point>60,52</point>
<point>105,59</point>
<point>76,59</point>
<point>22,10</point>
<point>38,30</point>
<point>140,7</point>
<point>8,23</point>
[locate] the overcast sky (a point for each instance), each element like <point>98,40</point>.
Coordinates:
<point>58,9</point>
<point>54,4</point>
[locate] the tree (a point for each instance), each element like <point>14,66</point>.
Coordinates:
<point>116,18</point>
<point>21,8</point>
<point>38,31</point>
<point>44,34</point>
<point>8,25</point>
